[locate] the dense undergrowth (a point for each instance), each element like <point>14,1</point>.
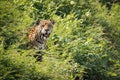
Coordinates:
<point>85,44</point>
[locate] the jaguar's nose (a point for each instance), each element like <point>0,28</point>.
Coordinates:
<point>46,30</point>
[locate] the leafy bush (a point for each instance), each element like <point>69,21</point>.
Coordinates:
<point>84,44</point>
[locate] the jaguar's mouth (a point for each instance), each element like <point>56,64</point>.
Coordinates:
<point>46,35</point>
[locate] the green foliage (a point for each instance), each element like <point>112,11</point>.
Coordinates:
<point>19,67</point>
<point>14,21</point>
<point>85,44</point>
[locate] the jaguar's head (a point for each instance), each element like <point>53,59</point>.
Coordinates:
<point>46,28</point>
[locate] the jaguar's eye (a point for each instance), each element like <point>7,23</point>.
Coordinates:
<point>45,23</point>
<point>42,25</point>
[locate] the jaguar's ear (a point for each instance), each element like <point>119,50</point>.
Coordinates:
<point>37,22</point>
<point>52,21</point>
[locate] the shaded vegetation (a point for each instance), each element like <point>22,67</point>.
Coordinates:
<point>85,44</point>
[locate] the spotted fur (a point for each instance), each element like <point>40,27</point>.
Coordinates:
<point>39,33</point>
